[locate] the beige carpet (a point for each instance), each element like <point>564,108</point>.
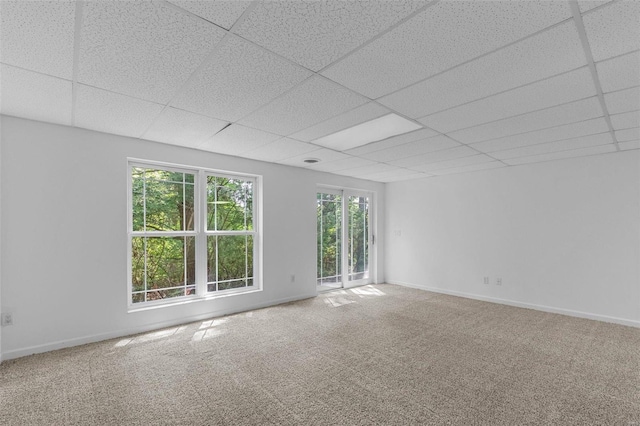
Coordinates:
<point>378,354</point>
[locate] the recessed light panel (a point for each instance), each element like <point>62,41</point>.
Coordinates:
<point>367,132</point>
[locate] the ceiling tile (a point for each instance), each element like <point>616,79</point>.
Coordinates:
<point>392,142</point>
<point>371,169</point>
<point>590,4</point>
<point>434,157</point>
<point>184,128</point>
<point>323,30</point>
<point>313,101</point>
<point>142,49</point>
<point>394,173</point>
<point>552,134</point>
<point>623,100</point>
<point>280,149</point>
<point>35,96</point>
<point>414,175</point>
<point>237,79</point>
<point>552,52</point>
<point>620,72</point>
<point>629,145</point>
<point>470,168</point>
<point>342,164</point>
<point>553,91</point>
<point>625,120</point>
<point>581,110</point>
<point>439,38</point>
<point>221,12</point>
<point>351,118</point>
<point>110,112</point>
<point>410,149</point>
<point>613,30</point>
<point>628,135</point>
<point>38,35</point>
<point>237,139</point>
<point>564,145</point>
<point>455,163</point>
<point>601,149</point>
<point>322,154</point>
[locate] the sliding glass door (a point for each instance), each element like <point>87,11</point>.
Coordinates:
<point>343,238</point>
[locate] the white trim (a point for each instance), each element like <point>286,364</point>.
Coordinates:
<point>61,344</point>
<point>543,308</point>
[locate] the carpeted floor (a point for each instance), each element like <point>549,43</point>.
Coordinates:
<point>379,354</point>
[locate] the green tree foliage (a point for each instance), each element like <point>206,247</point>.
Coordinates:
<point>163,201</point>
<point>329,237</point>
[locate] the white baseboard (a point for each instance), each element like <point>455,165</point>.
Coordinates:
<point>543,308</point>
<point>52,346</point>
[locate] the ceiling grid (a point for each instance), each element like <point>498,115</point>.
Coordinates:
<point>490,84</point>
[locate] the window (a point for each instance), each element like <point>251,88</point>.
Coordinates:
<point>192,233</point>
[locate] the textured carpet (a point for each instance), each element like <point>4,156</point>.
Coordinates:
<point>379,354</point>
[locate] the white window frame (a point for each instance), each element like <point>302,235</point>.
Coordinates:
<point>200,233</point>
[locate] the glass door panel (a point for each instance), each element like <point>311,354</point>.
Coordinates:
<point>358,238</point>
<point>329,240</point>
<point>343,239</point>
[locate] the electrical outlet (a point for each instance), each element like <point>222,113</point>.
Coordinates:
<point>486,280</point>
<point>498,281</point>
<point>293,278</point>
<point>7,319</point>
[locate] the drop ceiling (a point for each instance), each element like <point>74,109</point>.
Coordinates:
<point>488,84</point>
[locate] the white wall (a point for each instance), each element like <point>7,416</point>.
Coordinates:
<point>64,237</point>
<point>564,236</point>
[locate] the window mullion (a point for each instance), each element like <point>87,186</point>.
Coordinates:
<point>201,237</point>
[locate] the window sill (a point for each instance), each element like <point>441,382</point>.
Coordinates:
<point>189,299</point>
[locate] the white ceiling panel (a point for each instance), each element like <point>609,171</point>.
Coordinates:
<point>581,110</point>
<point>342,164</point>
<point>439,38</point>
<point>358,115</point>
<point>552,134</point>
<point>455,163</point>
<point>221,12</point>
<point>471,168</point>
<point>323,30</point>
<point>434,157</point>
<point>280,149</point>
<point>410,149</point>
<point>394,173</point>
<point>110,112</point>
<point>613,29</point>
<point>627,135</point>
<point>625,120</point>
<point>367,170</point>
<point>412,176</point>
<point>623,100</point>
<point>142,49</point>
<point>564,145</point>
<point>311,102</point>
<point>35,96</point>
<point>552,52</point>
<point>620,72</point>
<point>38,36</point>
<point>322,154</point>
<point>590,4</point>
<point>629,145</point>
<point>239,78</point>
<point>392,142</point>
<point>601,149</point>
<point>543,94</point>
<point>237,139</point>
<point>183,128</point>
